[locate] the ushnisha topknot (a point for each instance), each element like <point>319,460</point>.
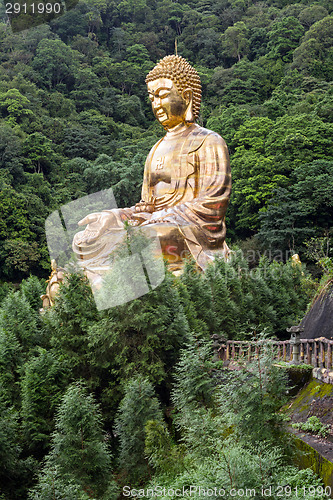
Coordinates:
<point>184,76</point>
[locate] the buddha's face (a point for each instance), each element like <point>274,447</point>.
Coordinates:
<point>169,106</point>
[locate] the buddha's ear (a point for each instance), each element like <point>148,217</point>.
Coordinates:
<point>188,97</point>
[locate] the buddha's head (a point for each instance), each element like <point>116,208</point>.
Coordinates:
<point>174,89</point>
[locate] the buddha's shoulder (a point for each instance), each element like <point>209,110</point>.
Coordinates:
<point>204,134</point>
<point>195,129</point>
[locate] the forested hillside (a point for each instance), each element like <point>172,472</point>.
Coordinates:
<point>75,117</point>
<point>93,402</point>
<point>96,401</point>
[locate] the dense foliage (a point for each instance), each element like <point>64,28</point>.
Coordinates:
<point>231,442</point>
<point>75,119</point>
<point>78,385</point>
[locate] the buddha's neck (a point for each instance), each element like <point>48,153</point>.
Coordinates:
<point>178,129</point>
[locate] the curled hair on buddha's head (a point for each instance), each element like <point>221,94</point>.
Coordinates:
<point>184,76</point>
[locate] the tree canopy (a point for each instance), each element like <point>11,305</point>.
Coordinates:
<point>75,120</point>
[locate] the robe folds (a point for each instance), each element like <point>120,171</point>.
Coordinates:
<point>199,192</point>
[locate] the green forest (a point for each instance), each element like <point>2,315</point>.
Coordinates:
<point>109,404</point>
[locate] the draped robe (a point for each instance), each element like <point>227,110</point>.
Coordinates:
<point>189,187</point>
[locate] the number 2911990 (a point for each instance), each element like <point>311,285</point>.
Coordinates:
<point>33,8</point>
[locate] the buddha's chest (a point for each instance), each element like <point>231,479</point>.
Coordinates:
<point>165,166</point>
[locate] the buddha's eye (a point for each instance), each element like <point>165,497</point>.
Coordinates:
<point>163,94</point>
<point>160,94</point>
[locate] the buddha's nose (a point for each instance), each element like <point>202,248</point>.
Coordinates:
<point>156,103</point>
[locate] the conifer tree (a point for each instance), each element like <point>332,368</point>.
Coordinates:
<point>31,289</point>
<point>200,295</point>
<point>230,441</point>
<point>9,447</point>
<point>5,289</point>
<point>11,359</point>
<point>196,323</point>
<point>289,292</point>
<point>53,485</point>
<point>250,399</point>
<point>138,406</point>
<point>193,374</point>
<point>259,301</point>
<point>142,336</point>
<point>193,396</point>
<point>163,454</point>
<point>226,281</point>
<point>42,384</point>
<point>17,318</point>
<point>79,450</point>
<point>16,472</point>
<point>242,300</point>
<point>68,321</point>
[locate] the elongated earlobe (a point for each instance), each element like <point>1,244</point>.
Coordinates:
<point>189,118</point>
<point>188,95</point>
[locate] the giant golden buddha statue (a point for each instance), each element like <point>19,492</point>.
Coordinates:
<point>186,184</point>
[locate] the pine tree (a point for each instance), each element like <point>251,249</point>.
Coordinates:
<point>259,300</point>
<point>17,318</point>
<point>43,382</point>
<point>193,374</point>
<point>53,485</point>
<point>11,359</point>
<point>138,406</point>
<point>9,444</point>
<point>5,289</point>
<point>226,281</point>
<point>250,399</point>
<point>16,472</point>
<point>31,289</point>
<point>289,293</point>
<point>163,454</point>
<point>200,294</point>
<point>67,323</point>
<point>195,323</point>
<point>79,450</point>
<point>142,336</point>
<point>193,396</point>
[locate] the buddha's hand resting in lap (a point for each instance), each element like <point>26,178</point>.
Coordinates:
<point>98,224</point>
<point>145,206</point>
